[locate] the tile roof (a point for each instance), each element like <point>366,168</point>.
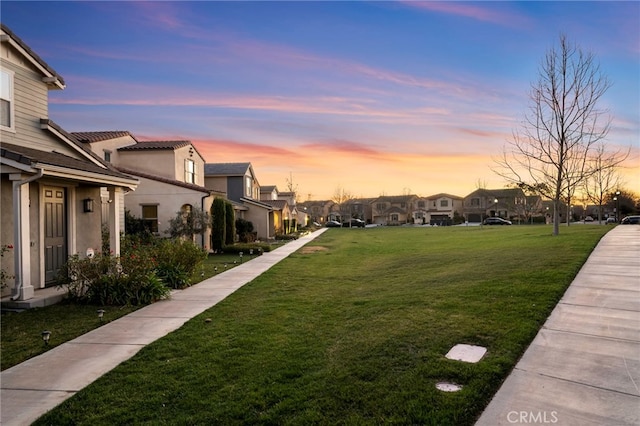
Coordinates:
<point>277,204</point>
<point>166,180</point>
<point>33,54</point>
<point>159,145</point>
<point>443,195</point>
<point>226,169</point>
<point>30,156</point>
<point>89,137</point>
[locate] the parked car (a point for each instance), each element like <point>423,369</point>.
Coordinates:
<point>631,220</point>
<point>611,220</point>
<point>588,219</point>
<point>354,223</point>
<point>496,221</point>
<point>333,224</point>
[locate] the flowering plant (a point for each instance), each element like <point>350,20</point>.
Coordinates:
<point>4,275</point>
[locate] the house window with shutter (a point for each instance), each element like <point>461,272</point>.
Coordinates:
<point>189,171</point>
<point>444,203</point>
<point>6,100</point>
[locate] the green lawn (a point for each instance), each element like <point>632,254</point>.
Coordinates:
<point>352,330</point>
<point>21,331</point>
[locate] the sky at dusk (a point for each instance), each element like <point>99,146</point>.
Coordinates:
<point>371,97</point>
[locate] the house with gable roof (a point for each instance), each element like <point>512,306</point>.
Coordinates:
<point>437,209</point>
<point>507,203</point>
<point>392,209</point>
<point>171,175</point>
<point>285,214</point>
<point>50,183</point>
<point>239,182</point>
<point>317,211</point>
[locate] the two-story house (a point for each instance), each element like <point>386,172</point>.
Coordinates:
<point>509,203</point>
<point>317,211</point>
<point>171,175</point>
<point>392,209</point>
<point>50,183</point>
<point>284,221</point>
<point>239,182</point>
<point>438,209</point>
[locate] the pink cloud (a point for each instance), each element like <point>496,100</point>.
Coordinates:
<point>473,11</point>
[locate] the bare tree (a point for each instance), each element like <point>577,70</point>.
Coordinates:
<point>548,154</point>
<point>605,177</point>
<point>340,197</point>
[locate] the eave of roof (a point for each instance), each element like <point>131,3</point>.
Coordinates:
<point>156,145</point>
<point>52,78</point>
<point>226,169</point>
<point>57,163</point>
<point>168,181</point>
<point>90,137</point>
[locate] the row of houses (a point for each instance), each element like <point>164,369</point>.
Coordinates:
<point>59,189</point>
<point>438,209</point>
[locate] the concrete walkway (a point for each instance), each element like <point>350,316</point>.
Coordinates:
<point>30,389</point>
<point>583,367</point>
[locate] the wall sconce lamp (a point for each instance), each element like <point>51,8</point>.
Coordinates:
<point>45,336</point>
<point>87,205</point>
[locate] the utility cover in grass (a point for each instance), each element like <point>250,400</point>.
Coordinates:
<point>467,353</point>
<point>448,387</point>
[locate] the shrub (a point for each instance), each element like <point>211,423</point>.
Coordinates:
<point>230,223</point>
<point>177,260</point>
<point>4,275</point>
<point>245,231</point>
<point>218,230</point>
<point>109,280</point>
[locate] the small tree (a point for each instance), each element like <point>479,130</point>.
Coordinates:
<point>189,223</point>
<point>245,230</point>
<point>230,222</point>
<point>218,229</point>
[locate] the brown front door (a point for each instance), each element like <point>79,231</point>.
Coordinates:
<point>55,231</point>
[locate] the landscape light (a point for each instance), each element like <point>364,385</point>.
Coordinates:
<point>100,314</point>
<point>240,256</point>
<point>45,336</point>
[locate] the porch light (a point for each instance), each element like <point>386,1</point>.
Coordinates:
<point>87,205</point>
<point>45,336</point>
<point>100,314</point>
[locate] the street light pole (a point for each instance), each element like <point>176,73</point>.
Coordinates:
<point>617,200</point>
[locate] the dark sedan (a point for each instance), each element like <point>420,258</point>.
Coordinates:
<point>631,220</point>
<point>354,223</point>
<point>496,221</point>
<point>333,224</point>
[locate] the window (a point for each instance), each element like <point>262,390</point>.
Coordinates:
<point>421,204</point>
<point>189,171</point>
<point>248,192</point>
<point>107,155</point>
<point>475,202</point>
<point>381,206</point>
<point>6,100</point>
<point>150,217</point>
<point>444,203</point>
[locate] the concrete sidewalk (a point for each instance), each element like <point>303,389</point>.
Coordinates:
<point>30,389</point>
<point>583,367</point>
